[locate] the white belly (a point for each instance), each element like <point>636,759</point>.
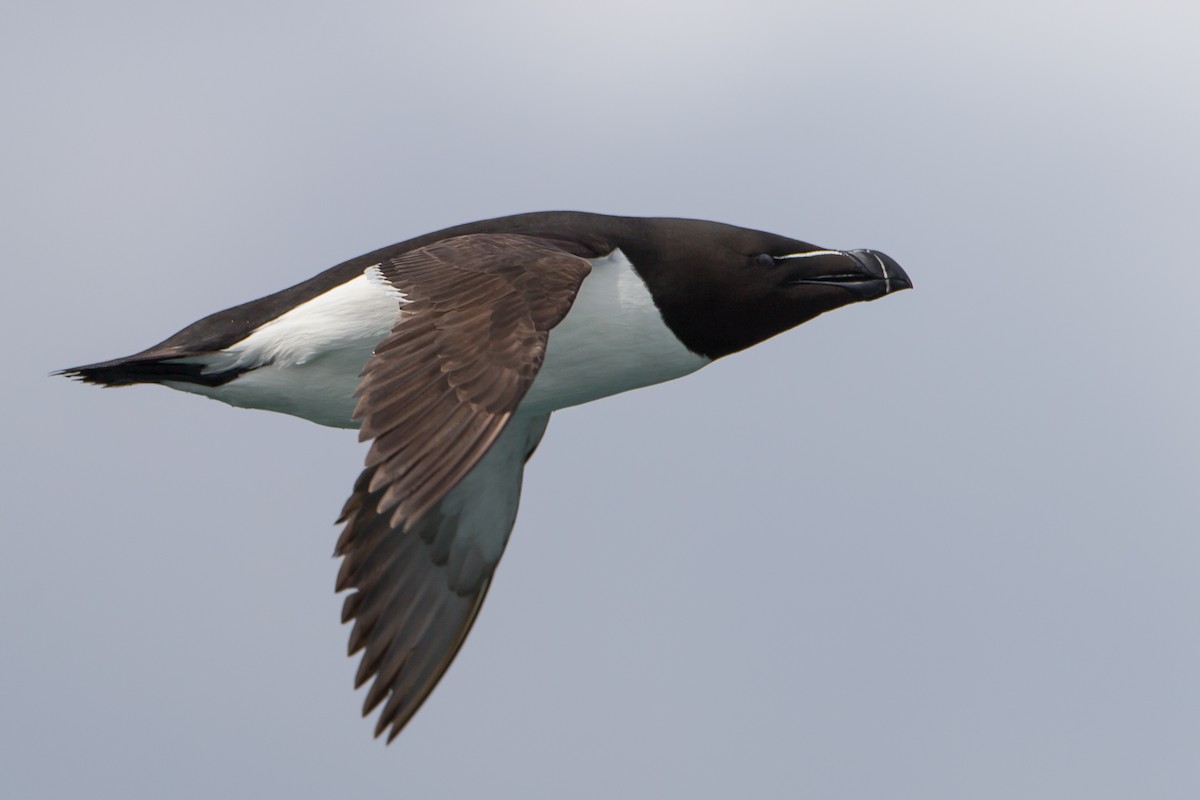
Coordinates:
<point>612,340</point>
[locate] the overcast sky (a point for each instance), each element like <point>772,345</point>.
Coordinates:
<point>944,545</point>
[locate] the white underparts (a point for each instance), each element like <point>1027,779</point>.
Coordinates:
<point>477,514</point>
<point>361,309</point>
<point>612,340</point>
<point>307,361</point>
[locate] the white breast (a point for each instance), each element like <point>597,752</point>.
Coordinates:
<point>612,340</point>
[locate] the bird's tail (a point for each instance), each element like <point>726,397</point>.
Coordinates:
<point>150,367</point>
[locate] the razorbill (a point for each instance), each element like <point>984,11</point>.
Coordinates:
<point>450,351</point>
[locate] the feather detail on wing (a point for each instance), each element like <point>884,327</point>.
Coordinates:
<point>417,591</point>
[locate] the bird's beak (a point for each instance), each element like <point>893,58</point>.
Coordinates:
<point>886,276</point>
<point>866,274</point>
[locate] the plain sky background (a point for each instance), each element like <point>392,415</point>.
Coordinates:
<point>945,545</point>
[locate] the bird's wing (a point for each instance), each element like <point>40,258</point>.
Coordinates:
<point>417,591</point>
<point>431,512</point>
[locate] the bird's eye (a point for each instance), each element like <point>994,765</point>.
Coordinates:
<point>764,260</point>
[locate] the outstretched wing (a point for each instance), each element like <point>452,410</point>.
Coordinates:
<point>431,513</point>
<point>418,590</point>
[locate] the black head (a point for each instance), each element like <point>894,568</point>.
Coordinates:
<point>721,288</point>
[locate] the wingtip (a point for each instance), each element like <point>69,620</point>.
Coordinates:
<point>350,607</point>
<point>395,723</point>
<point>380,727</point>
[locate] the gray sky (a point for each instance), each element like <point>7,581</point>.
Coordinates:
<point>941,546</point>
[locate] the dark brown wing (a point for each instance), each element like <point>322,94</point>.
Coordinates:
<point>431,513</point>
<point>418,591</point>
<point>465,349</point>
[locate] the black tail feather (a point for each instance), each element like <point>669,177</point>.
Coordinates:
<point>147,369</point>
